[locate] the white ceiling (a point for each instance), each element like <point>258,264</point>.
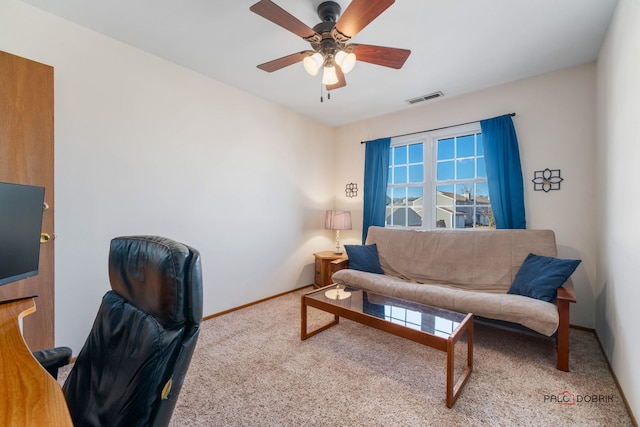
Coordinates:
<point>457,46</point>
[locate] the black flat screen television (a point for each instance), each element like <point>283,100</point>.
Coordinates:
<point>20,227</point>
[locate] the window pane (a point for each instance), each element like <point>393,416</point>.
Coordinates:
<point>413,219</point>
<point>389,196</point>
<point>444,205</point>
<point>464,217</point>
<point>482,193</point>
<point>399,196</point>
<point>446,190</point>
<point>465,169</point>
<point>444,216</point>
<point>415,203</point>
<point>388,216</point>
<point>400,175</point>
<point>414,193</point>
<point>465,194</point>
<point>465,146</point>
<point>445,170</point>
<point>484,217</point>
<point>416,173</point>
<point>482,171</point>
<point>445,149</point>
<point>479,146</point>
<point>416,153</point>
<point>400,155</point>
<point>399,217</point>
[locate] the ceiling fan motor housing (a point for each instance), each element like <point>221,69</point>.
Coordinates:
<point>329,11</point>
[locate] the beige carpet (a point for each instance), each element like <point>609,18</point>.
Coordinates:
<point>250,368</point>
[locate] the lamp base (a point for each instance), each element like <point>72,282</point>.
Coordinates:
<point>337,251</point>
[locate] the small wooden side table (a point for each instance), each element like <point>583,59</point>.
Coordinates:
<point>323,269</point>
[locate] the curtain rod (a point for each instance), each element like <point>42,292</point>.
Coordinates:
<point>431,130</point>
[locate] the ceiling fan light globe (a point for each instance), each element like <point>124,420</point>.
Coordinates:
<point>329,76</point>
<point>310,66</point>
<point>312,63</point>
<point>348,62</point>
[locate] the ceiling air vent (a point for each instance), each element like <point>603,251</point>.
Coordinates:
<point>425,98</point>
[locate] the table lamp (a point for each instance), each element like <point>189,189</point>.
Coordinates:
<point>337,220</point>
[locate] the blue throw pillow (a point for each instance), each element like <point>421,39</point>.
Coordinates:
<point>364,258</point>
<point>540,276</point>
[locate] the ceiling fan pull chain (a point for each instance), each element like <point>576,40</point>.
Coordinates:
<point>322,93</point>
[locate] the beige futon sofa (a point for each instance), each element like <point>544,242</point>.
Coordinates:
<point>469,271</point>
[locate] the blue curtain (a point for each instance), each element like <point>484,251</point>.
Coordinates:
<point>376,170</point>
<point>504,173</point>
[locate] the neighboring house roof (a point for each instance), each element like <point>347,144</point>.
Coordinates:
<point>461,198</point>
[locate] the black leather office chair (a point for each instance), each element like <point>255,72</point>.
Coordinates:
<point>132,366</point>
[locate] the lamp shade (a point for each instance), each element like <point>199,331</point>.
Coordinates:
<point>313,63</point>
<point>337,220</point>
<point>346,61</point>
<point>329,76</point>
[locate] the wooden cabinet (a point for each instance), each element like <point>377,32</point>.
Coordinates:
<point>26,157</point>
<point>323,269</point>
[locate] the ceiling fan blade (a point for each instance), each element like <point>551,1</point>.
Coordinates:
<point>285,61</point>
<point>359,14</point>
<point>274,13</point>
<point>379,55</point>
<point>341,81</point>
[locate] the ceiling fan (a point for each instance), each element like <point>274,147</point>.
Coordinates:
<point>329,39</point>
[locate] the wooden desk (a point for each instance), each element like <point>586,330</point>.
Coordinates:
<point>30,396</point>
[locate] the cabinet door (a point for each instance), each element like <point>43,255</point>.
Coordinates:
<point>26,157</point>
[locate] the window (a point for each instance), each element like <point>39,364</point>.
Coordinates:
<point>438,180</point>
<point>405,188</point>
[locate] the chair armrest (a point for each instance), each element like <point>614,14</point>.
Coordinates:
<point>339,264</point>
<point>53,358</point>
<point>567,292</point>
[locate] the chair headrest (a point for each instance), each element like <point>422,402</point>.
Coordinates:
<point>159,276</point>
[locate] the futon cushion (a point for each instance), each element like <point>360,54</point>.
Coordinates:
<point>364,258</point>
<point>540,276</point>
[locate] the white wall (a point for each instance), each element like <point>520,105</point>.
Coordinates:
<point>555,124</point>
<point>618,151</point>
<point>144,146</point>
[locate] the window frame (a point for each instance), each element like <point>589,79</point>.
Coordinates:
<point>430,182</point>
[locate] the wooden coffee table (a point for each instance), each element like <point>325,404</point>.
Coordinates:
<point>434,327</point>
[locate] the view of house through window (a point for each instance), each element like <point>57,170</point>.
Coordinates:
<point>438,180</point>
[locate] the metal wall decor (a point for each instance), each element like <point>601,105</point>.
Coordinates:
<point>546,180</point>
<point>351,190</point>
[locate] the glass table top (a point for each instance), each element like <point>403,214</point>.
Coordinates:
<point>432,320</point>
